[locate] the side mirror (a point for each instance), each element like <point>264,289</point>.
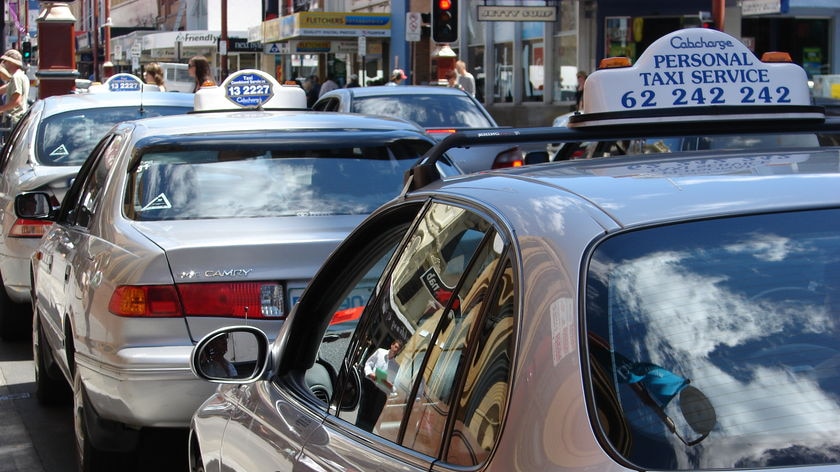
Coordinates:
<point>34,205</point>
<point>236,354</point>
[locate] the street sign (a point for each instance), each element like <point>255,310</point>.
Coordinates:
<point>362,45</point>
<point>413,26</point>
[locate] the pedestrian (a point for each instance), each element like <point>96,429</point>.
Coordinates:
<point>397,76</point>
<point>466,79</point>
<point>153,75</point>
<point>316,85</point>
<point>16,89</point>
<point>581,80</point>
<point>354,81</point>
<point>329,84</point>
<point>199,69</point>
<point>452,80</point>
<point>309,90</point>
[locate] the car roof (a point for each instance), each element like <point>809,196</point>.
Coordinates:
<point>62,103</point>
<point>640,190</point>
<point>256,120</point>
<point>378,90</point>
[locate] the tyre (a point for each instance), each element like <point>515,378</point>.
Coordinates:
<point>15,318</point>
<point>89,458</point>
<point>50,386</point>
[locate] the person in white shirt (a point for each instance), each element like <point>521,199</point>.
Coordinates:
<point>382,366</point>
<point>465,79</point>
<point>17,88</point>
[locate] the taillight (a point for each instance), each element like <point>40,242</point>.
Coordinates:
<point>156,301</point>
<point>23,228</point>
<point>510,158</point>
<point>441,131</point>
<point>263,300</point>
<point>348,314</point>
<point>253,300</point>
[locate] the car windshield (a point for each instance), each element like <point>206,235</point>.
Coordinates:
<point>281,181</point>
<point>429,111</point>
<point>67,138</point>
<point>716,344</point>
<point>657,145</point>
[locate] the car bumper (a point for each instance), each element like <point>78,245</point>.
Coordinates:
<point>14,265</point>
<point>147,387</point>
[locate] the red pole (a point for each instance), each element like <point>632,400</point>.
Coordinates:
<point>719,13</point>
<point>57,62</point>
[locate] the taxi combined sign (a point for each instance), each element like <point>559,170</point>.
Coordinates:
<point>691,73</point>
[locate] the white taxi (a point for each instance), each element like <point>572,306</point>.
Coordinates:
<point>176,226</point>
<point>669,312</point>
<point>44,153</point>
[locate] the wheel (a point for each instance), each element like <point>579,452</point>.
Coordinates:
<point>14,318</point>
<point>88,457</point>
<point>50,386</point>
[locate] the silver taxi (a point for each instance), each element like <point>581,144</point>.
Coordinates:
<point>176,226</point>
<point>652,312</point>
<point>44,153</point>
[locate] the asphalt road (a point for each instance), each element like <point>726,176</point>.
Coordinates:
<point>34,438</point>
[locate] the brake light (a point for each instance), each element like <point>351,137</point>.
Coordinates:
<point>440,131</point>
<point>253,300</point>
<point>510,158</point>
<point>23,228</point>
<point>154,301</point>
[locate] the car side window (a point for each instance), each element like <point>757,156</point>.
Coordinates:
<point>16,142</point>
<point>87,192</point>
<point>420,328</point>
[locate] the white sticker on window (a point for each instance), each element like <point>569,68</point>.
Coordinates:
<point>60,151</point>
<point>159,203</point>
<point>562,329</point>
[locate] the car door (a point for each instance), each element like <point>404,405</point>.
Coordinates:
<point>446,302</point>
<point>57,290</point>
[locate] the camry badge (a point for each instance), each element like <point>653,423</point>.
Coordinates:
<point>213,273</point>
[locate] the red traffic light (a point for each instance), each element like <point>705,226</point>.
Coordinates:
<point>444,4</point>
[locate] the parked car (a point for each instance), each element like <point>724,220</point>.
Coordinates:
<point>662,312</point>
<point>44,153</point>
<point>440,110</point>
<point>176,226</point>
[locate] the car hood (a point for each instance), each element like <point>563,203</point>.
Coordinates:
<point>283,248</point>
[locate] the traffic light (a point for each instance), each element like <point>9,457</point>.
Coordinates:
<point>26,51</point>
<point>445,21</point>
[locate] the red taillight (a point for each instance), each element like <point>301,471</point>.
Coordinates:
<point>510,158</point>
<point>23,228</point>
<point>158,301</point>
<point>259,300</point>
<point>236,299</point>
<point>441,131</point>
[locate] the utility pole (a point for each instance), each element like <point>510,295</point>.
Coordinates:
<point>223,43</point>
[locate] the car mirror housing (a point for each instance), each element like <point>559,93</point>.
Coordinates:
<point>34,205</point>
<point>235,354</point>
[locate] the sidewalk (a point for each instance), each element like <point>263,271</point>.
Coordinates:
<point>17,453</point>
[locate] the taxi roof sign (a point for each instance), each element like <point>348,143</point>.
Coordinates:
<point>250,89</point>
<point>123,82</point>
<point>696,74</point>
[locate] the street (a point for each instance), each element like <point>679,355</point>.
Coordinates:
<point>34,438</point>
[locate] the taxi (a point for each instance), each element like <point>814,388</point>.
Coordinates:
<point>176,226</point>
<point>44,153</point>
<point>675,311</point>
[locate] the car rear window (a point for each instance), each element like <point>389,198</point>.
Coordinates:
<point>265,182</point>
<point>67,138</point>
<point>714,344</point>
<point>428,111</point>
